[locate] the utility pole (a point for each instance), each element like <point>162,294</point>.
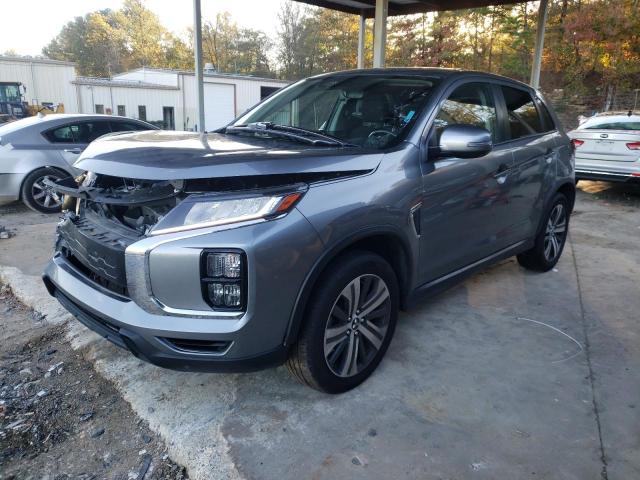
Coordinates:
<point>197,48</point>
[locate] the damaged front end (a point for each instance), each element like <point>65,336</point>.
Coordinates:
<point>105,215</point>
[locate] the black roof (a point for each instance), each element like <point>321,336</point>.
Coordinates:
<point>441,73</point>
<point>404,7</point>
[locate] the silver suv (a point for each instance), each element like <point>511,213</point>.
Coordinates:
<point>297,232</point>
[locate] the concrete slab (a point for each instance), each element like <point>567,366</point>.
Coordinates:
<point>508,375</point>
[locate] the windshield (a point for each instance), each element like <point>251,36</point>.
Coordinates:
<point>367,110</point>
<point>9,93</point>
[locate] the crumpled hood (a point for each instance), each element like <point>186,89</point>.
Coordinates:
<point>164,155</point>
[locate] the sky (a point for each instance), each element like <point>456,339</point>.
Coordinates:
<point>48,16</point>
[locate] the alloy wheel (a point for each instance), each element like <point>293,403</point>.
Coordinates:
<point>357,325</point>
<point>44,195</point>
<point>555,232</point>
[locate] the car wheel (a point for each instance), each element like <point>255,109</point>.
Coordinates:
<point>350,320</point>
<point>551,238</point>
<point>38,196</point>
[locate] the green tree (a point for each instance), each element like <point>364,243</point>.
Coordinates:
<point>91,42</point>
<point>234,49</point>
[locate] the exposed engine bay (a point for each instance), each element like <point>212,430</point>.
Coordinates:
<point>140,204</point>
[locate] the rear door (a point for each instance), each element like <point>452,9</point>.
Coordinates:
<point>535,142</point>
<point>464,211</point>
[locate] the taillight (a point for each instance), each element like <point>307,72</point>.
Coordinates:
<point>633,146</point>
<point>576,143</point>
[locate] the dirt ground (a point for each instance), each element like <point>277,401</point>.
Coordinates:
<point>58,418</point>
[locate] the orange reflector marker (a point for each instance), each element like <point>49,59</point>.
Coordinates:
<point>287,202</point>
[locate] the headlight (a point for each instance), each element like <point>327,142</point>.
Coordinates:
<point>198,211</point>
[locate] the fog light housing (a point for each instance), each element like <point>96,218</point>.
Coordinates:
<point>223,277</point>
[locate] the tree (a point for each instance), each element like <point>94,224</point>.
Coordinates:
<point>143,34</point>
<point>92,42</point>
<point>234,49</point>
<point>107,42</point>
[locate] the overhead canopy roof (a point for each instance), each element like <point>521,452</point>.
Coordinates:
<point>367,8</point>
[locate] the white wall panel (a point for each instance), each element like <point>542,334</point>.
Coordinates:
<point>131,98</point>
<point>45,82</point>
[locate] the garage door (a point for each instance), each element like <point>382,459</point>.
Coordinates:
<point>219,105</point>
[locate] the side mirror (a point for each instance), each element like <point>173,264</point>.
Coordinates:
<point>464,141</point>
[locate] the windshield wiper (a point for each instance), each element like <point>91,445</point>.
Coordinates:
<point>295,133</point>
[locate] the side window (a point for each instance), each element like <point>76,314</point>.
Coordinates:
<point>523,116</point>
<point>127,127</point>
<point>62,135</point>
<point>469,104</point>
<point>87,132</point>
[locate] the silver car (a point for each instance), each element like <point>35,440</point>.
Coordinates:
<point>297,232</point>
<point>36,149</point>
<point>608,148</point>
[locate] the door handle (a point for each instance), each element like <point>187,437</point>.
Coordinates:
<point>77,151</point>
<point>501,173</point>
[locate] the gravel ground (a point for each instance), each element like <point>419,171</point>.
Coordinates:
<point>58,418</point>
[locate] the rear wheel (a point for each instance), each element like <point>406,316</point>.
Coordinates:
<point>550,241</point>
<point>37,195</point>
<point>350,322</point>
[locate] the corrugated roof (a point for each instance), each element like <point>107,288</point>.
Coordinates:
<point>106,82</point>
<point>403,7</point>
<point>214,75</point>
<point>10,58</point>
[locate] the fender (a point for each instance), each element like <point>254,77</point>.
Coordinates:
<point>330,253</point>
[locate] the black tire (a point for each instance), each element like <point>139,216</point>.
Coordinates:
<point>36,196</point>
<point>539,258</point>
<point>307,361</point>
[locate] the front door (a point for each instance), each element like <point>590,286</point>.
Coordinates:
<point>464,212</point>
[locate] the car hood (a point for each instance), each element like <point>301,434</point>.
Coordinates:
<point>163,155</point>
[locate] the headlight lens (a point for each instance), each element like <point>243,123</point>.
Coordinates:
<point>199,211</point>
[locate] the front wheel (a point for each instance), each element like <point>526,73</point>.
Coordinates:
<point>37,195</point>
<point>551,238</point>
<point>350,322</point>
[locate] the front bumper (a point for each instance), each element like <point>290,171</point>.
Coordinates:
<point>280,255</point>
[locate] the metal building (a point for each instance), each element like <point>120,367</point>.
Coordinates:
<point>225,95</point>
<point>164,97</point>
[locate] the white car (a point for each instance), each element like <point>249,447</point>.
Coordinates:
<point>607,147</point>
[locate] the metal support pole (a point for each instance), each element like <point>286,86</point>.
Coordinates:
<point>380,33</point>
<point>361,37</point>
<point>537,54</point>
<point>197,48</point>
